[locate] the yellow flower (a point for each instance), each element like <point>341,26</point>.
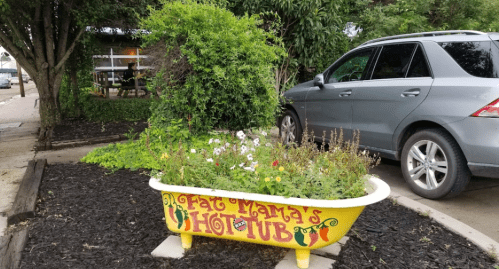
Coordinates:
<point>278,179</point>
<point>267,179</point>
<point>256,172</point>
<point>281,168</point>
<point>256,165</point>
<point>164,156</point>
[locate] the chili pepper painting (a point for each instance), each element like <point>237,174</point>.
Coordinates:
<point>299,237</point>
<point>314,237</point>
<point>323,233</point>
<point>172,216</point>
<point>187,221</point>
<point>180,216</point>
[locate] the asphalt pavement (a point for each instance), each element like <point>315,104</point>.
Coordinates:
<point>477,206</point>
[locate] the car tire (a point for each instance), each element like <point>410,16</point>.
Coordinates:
<point>441,173</point>
<point>290,130</point>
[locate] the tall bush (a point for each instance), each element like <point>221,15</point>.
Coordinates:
<point>217,69</point>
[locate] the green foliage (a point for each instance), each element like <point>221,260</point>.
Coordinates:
<point>411,16</point>
<point>229,82</point>
<point>105,110</point>
<point>311,30</point>
<point>257,166</point>
<point>67,99</point>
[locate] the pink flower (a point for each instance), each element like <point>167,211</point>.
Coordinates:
<point>275,163</point>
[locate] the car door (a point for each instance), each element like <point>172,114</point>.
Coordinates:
<point>400,81</point>
<point>330,107</point>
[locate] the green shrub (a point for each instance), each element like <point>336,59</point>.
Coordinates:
<point>105,110</point>
<point>217,71</point>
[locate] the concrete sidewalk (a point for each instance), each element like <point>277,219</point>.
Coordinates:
<point>19,123</point>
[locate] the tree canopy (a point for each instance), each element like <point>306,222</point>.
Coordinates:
<point>42,34</point>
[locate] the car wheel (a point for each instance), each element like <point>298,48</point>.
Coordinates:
<point>433,164</point>
<point>290,129</point>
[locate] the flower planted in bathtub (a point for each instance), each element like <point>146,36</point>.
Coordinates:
<point>253,190</point>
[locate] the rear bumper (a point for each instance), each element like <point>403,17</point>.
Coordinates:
<point>484,170</point>
<point>479,142</point>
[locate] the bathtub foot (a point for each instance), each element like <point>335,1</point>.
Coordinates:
<point>186,240</point>
<point>302,257</point>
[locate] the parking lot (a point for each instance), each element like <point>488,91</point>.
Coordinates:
<point>477,206</point>
<point>6,94</point>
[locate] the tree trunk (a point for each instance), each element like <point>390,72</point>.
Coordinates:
<point>74,88</point>
<point>50,115</point>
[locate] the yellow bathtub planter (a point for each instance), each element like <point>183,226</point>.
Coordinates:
<point>301,224</point>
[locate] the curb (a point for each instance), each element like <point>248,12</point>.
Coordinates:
<point>487,244</point>
<point>12,243</point>
<point>57,145</point>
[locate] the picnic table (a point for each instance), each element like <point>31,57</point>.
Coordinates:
<point>101,81</point>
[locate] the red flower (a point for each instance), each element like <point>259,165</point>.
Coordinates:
<point>216,164</point>
<point>275,163</point>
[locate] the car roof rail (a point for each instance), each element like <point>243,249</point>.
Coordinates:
<point>424,34</point>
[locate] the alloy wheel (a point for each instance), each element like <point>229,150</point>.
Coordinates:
<point>288,130</point>
<point>427,164</point>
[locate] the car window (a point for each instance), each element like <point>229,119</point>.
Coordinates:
<point>393,61</point>
<point>479,59</point>
<point>351,68</point>
<point>419,66</point>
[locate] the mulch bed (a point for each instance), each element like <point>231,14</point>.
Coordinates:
<point>88,218</point>
<point>77,128</point>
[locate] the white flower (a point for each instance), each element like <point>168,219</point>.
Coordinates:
<point>210,160</point>
<point>268,145</point>
<point>244,149</point>
<point>193,150</point>
<point>253,164</point>
<point>227,145</point>
<point>241,164</point>
<point>217,140</point>
<point>250,157</point>
<point>264,133</point>
<point>256,142</point>
<point>249,169</point>
<point>222,148</point>
<point>252,149</point>
<point>211,141</point>
<point>217,151</point>
<point>240,135</point>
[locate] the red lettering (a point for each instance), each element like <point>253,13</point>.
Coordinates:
<point>280,228</point>
<point>196,222</point>
<point>249,222</point>
<point>305,208</point>
<point>274,210</point>
<point>205,204</point>
<point>264,236</point>
<point>296,214</point>
<point>228,222</point>
<point>217,208</point>
<point>190,201</point>
<point>262,209</point>
<point>242,203</point>
<point>315,219</point>
<point>216,224</point>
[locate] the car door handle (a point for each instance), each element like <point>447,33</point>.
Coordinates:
<point>346,93</point>
<point>411,93</point>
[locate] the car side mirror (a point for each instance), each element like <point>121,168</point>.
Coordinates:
<point>319,80</point>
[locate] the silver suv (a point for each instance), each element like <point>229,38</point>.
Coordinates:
<point>430,100</point>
